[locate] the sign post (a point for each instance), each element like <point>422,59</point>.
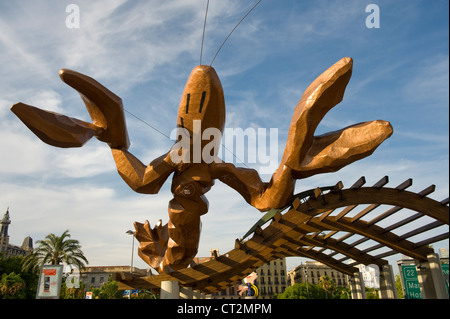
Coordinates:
<point>445,271</point>
<point>50,279</point>
<point>411,282</point>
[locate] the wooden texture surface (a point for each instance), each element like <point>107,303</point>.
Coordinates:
<point>316,229</point>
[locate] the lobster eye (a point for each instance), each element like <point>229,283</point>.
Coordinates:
<point>187,103</point>
<point>202,101</point>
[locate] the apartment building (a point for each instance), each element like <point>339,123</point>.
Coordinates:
<point>272,278</point>
<point>311,271</point>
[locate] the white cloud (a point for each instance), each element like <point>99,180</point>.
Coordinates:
<point>89,161</point>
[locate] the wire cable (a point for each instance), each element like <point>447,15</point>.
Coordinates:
<point>203,35</point>
<point>165,135</point>
<point>137,117</point>
<point>220,48</point>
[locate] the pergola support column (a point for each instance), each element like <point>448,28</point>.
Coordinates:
<point>169,290</point>
<point>357,286</point>
<point>387,283</point>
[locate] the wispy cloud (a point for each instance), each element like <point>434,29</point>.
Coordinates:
<point>429,82</point>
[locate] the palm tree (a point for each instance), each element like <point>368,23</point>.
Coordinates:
<point>55,250</point>
<point>327,284</point>
<point>12,286</point>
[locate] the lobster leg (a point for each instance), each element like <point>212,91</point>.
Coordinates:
<point>247,182</point>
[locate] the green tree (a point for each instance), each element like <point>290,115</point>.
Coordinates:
<point>55,250</point>
<point>302,291</point>
<point>72,293</point>
<point>14,265</point>
<point>328,285</point>
<point>110,290</point>
<point>372,293</point>
<point>12,286</point>
<point>398,286</point>
<point>341,293</point>
<point>147,294</point>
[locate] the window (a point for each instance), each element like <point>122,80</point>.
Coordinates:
<point>102,279</point>
<point>92,280</point>
<point>282,272</point>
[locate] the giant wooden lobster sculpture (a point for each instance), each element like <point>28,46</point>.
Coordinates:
<point>174,245</point>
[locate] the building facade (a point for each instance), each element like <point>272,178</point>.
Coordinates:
<point>371,275</point>
<point>96,276</point>
<point>272,278</point>
<point>311,271</point>
<point>7,249</point>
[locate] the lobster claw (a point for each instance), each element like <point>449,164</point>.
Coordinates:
<point>306,154</point>
<point>104,107</point>
<point>55,129</point>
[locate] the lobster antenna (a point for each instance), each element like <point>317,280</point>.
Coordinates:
<point>220,48</point>
<point>203,35</point>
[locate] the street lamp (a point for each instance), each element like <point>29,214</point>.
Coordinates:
<point>306,279</point>
<point>130,232</point>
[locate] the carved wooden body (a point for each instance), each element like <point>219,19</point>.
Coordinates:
<point>175,244</point>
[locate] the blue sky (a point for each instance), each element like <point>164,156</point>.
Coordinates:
<point>144,51</point>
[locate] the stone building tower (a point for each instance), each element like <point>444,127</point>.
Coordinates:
<point>7,249</point>
<point>4,237</point>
